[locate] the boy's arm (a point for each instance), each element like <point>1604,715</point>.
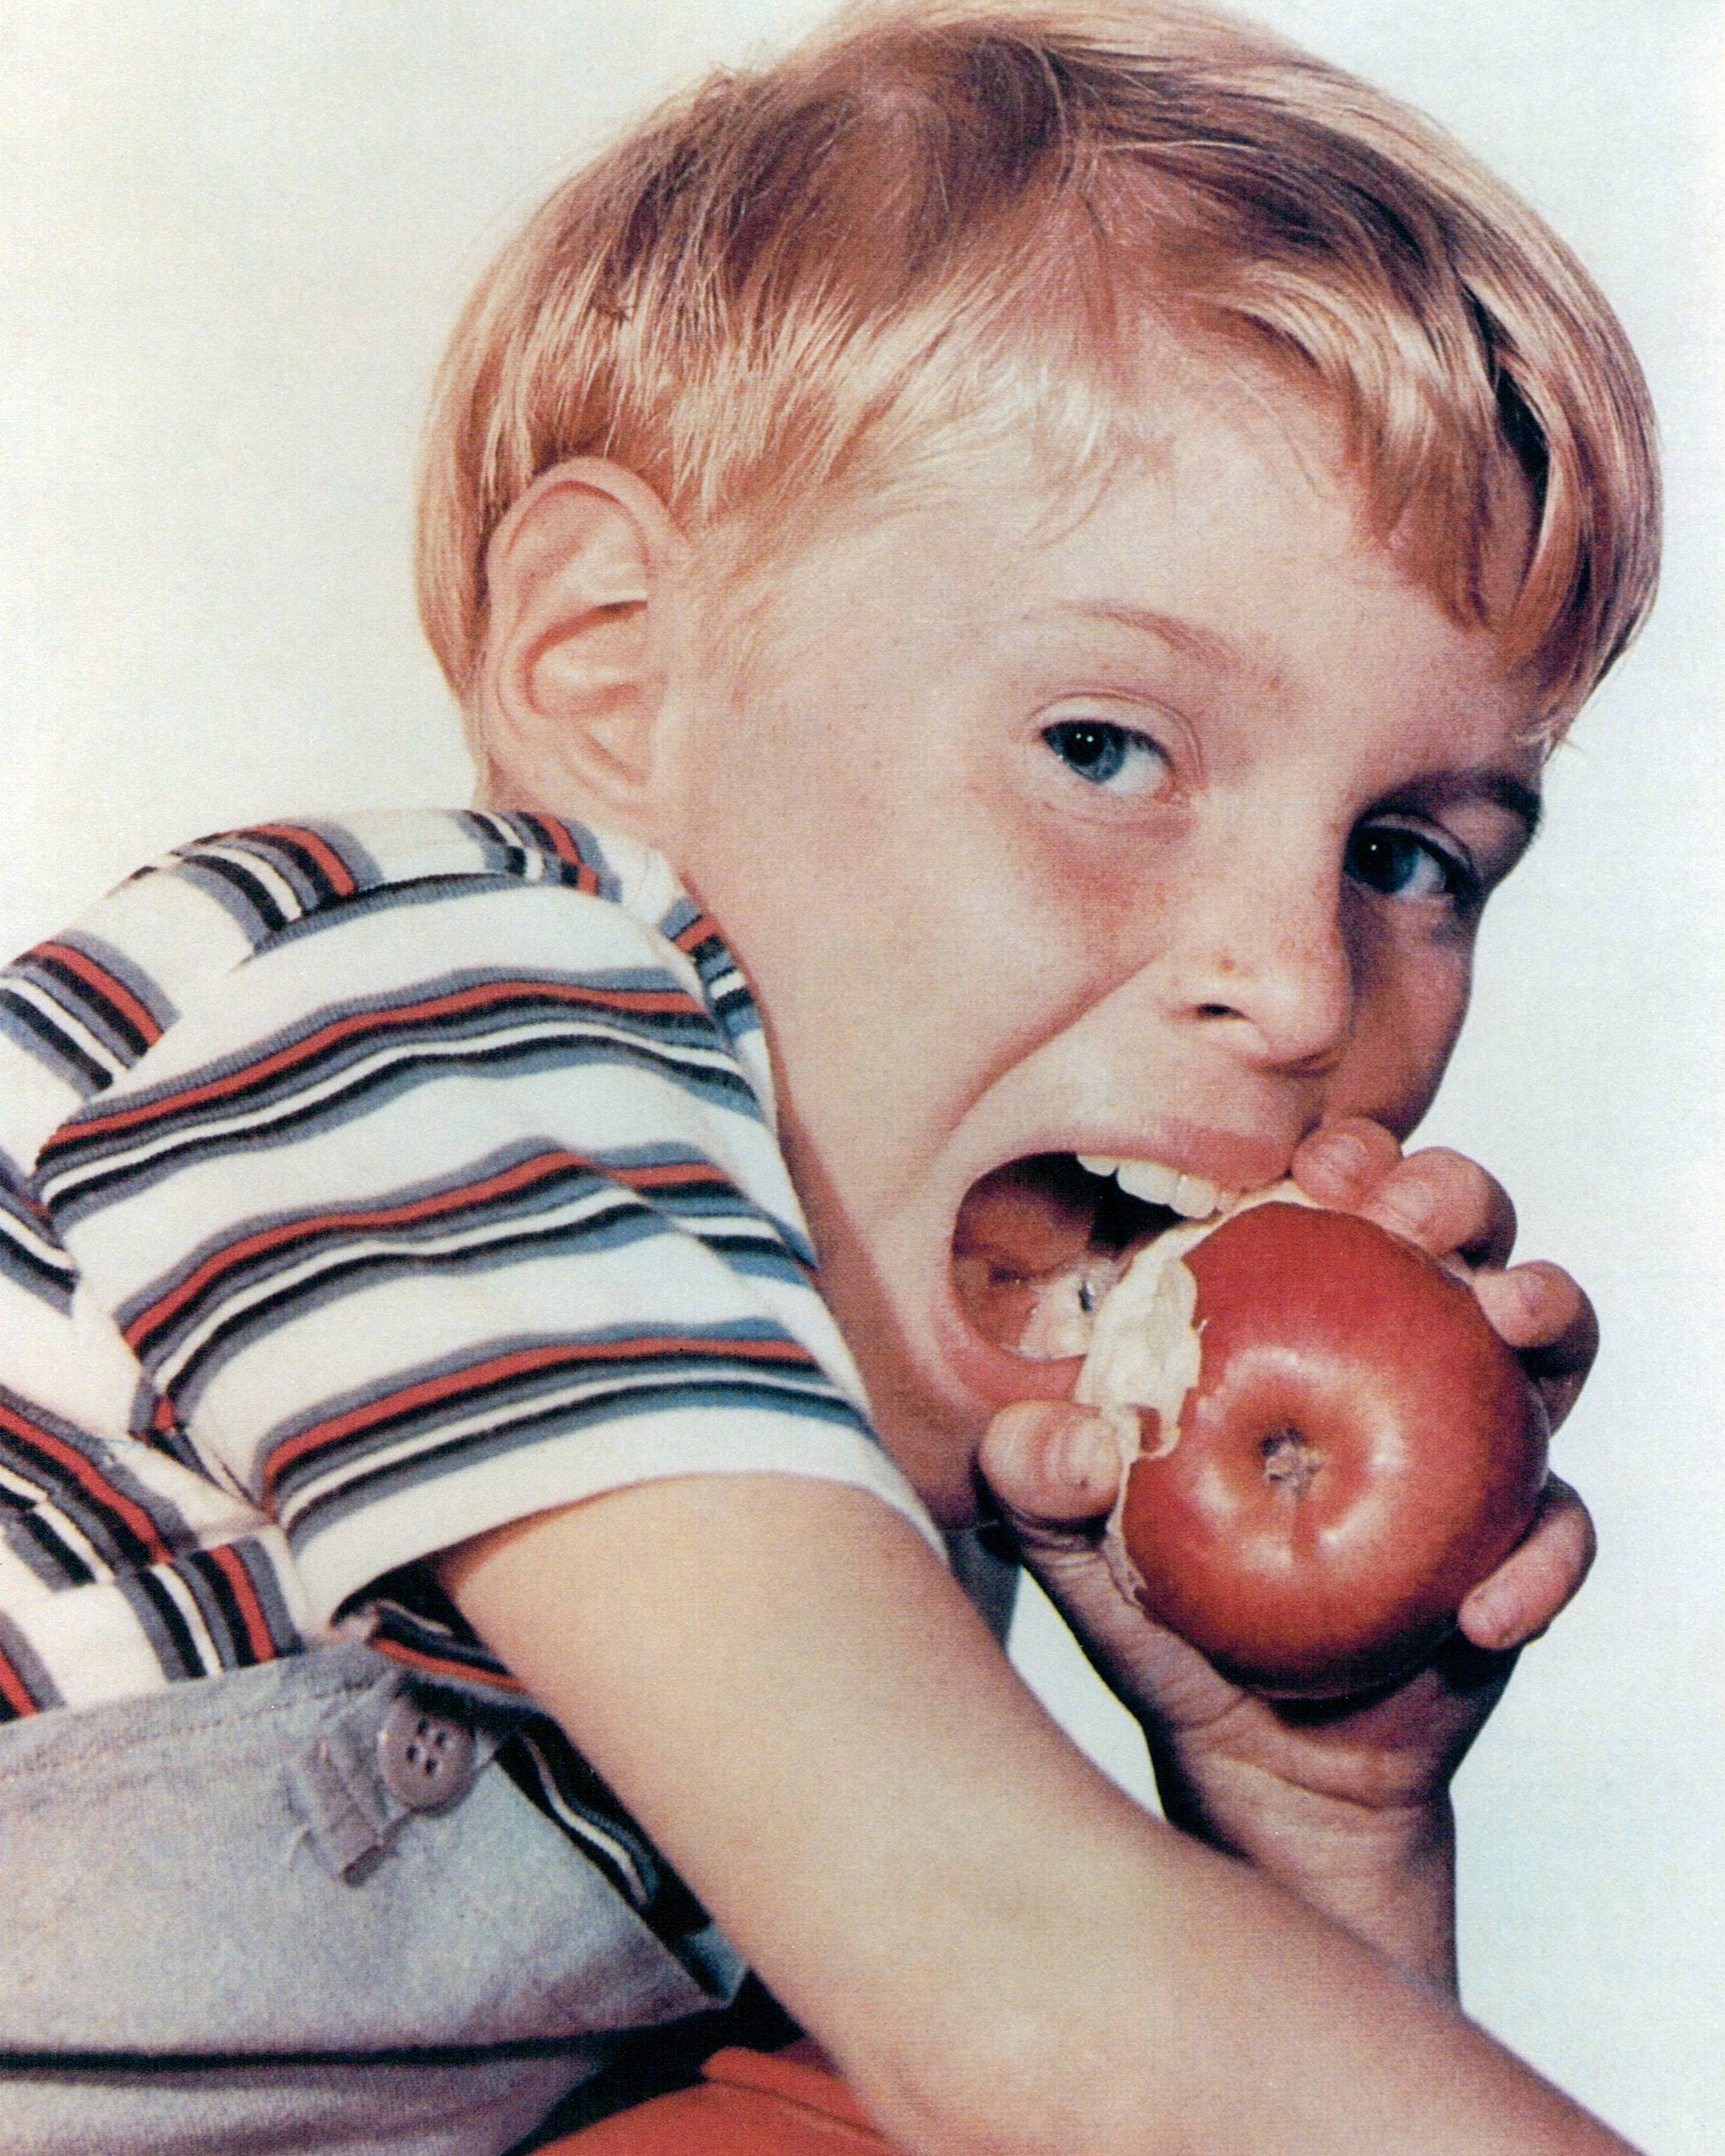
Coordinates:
<point>1002,1952</point>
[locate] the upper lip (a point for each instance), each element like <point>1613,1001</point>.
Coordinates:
<point>1230,1159</point>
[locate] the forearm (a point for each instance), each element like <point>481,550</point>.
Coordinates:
<point>1158,1997</point>
<point>1004,1955</point>
<point>1387,1877</point>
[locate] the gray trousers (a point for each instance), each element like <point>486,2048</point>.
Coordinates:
<point>223,1928</point>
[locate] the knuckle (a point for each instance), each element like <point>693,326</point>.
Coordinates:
<point>1436,1197</point>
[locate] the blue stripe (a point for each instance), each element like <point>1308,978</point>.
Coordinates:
<point>115,1540</point>
<point>131,976</point>
<point>31,1029</point>
<point>617,1227</point>
<point>16,1645</point>
<point>33,1537</point>
<point>163,1624</point>
<point>624,1224</point>
<point>53,978</point>
<point>375,1072</point>
<point>51,1278</point>
<point>520,1425</point>
<point>245,895</point>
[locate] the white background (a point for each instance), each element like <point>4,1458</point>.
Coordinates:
<point>235,232</point>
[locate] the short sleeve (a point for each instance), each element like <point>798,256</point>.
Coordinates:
<point>413,1242</point>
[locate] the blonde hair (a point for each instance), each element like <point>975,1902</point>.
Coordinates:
<point>796,281</point>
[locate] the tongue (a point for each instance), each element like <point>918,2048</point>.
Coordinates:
<point>1021,1220</point>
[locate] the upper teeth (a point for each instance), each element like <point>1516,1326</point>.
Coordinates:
<point>1189,1195</point>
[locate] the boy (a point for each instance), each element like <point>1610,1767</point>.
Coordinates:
<point>1052,545</point>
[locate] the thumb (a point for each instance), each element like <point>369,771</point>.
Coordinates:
<point>1055,1469</point>
<point>1050,1460</point>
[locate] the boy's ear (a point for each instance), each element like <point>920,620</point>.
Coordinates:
<point>579,575</point>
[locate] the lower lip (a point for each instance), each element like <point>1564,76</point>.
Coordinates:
<point>994,1377</point>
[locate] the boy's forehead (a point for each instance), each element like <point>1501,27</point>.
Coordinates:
<point>1185,460</point>
<point>1226,547</point>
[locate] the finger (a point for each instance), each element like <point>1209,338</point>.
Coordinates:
<point>1519,1600</point>
<point>1054,1468</point>
<point>1145,1665</point>
<point>1050,1463</point>
<point>1546,1317</point>
<point>1341,1163</point>
<point>1445,1203</point>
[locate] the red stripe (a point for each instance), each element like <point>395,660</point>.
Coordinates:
<point>103,983</point>
<point>328,859</point>
<point>702,930</point>
<point>428,1392</point>
<point>257,1629</point>
<point>163,1425</point>
<point>445,1666</point>
<point>84,1471</point>
<point>646,1001</point>
<point>566,851</point>
<point>14,1691</point>
<point>308,1227</point>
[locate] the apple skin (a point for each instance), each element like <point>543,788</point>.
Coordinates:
<point>1359,1450</point>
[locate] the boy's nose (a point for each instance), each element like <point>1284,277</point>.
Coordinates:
<point>1263,957</point>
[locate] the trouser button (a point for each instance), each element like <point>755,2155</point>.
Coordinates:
<point>426,1760</point>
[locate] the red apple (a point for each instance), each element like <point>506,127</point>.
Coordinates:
<point>1358,1449</point>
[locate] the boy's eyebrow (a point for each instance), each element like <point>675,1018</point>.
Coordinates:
<point>1184,636</point>
<point>1516,795</point>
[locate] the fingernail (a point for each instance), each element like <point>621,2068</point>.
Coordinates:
<point>1086,1448</point>
<point>1409,1208</point>
<point>1343,1153</point>
<point>1489,1618</point>
<point>1531,1291</point>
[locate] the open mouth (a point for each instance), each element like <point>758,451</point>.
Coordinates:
<point>1038,1242</point>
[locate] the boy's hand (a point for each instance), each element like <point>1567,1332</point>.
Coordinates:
<point>1346,1801</point>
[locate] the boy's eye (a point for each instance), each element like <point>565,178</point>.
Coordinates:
<point>1106,755</point>
<point>1400,862</point>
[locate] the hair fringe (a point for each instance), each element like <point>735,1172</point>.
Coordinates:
<point>803,280</point>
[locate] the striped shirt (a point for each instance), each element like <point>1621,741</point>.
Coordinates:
<point>363,1187</point>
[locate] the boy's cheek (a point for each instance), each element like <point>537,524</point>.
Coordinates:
<point>1390,1069</point>
<point>938,1459</point>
